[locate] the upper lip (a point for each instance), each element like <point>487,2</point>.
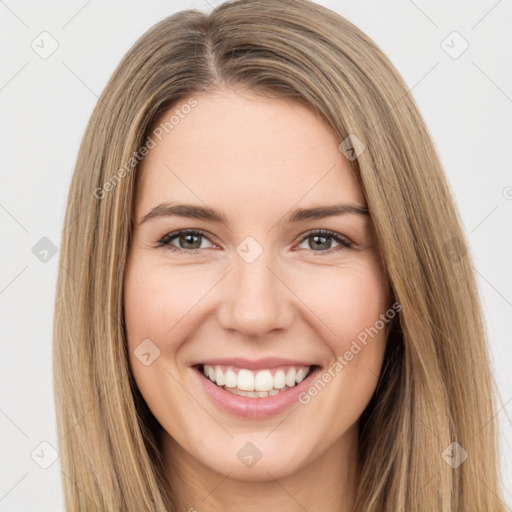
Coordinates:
<point>254,364</point>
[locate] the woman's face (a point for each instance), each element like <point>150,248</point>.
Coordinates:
<point>253,296</point>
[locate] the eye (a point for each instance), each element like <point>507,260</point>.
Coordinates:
<point>189,240</point>
<point>322,239</point>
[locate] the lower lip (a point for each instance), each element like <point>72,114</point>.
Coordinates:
<point>254,408</point>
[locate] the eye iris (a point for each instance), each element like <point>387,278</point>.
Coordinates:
<point>187,237</point>
<point>324,244</point>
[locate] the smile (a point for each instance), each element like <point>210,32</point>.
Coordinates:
<point>254,389</point>
<point>255,384</point>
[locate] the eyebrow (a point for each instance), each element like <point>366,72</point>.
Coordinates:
<point>210,214</point>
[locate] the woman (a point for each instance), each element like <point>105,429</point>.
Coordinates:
<point>270,306</point>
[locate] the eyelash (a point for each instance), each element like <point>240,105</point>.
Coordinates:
<point>345,243</point>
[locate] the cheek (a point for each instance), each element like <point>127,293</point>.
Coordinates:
<point>359,306</point>
<point>346,301</point>
<point>160,305</point>
<point>355,306</point>
<point>157,302</point>
<point>349,307</point>
<point>155,306</point>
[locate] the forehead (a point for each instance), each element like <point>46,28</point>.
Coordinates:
<point>245,150</point>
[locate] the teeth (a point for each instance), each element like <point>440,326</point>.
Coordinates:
<point>256,384</point>
<point>279,379</point>
<point>219,377</point>
<point>245,380</point>
<point>264,381</point>
<point>230,379</point>
<point>290,378</point>
<point>299,376</point>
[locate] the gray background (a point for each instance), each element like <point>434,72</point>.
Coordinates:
<point>45,104</point>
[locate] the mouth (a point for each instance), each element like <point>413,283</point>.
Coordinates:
<point>255,383</point>
<point>255,390</point>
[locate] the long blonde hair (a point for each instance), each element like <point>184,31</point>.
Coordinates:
<point>435,387</point>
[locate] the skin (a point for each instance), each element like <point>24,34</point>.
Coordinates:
<point>255,159</point>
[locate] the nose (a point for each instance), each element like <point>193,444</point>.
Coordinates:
<point>256,298</point>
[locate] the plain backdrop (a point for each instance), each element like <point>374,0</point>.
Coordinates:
<point>455,57</point>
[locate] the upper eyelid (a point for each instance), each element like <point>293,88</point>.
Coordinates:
<point>174,234</point>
